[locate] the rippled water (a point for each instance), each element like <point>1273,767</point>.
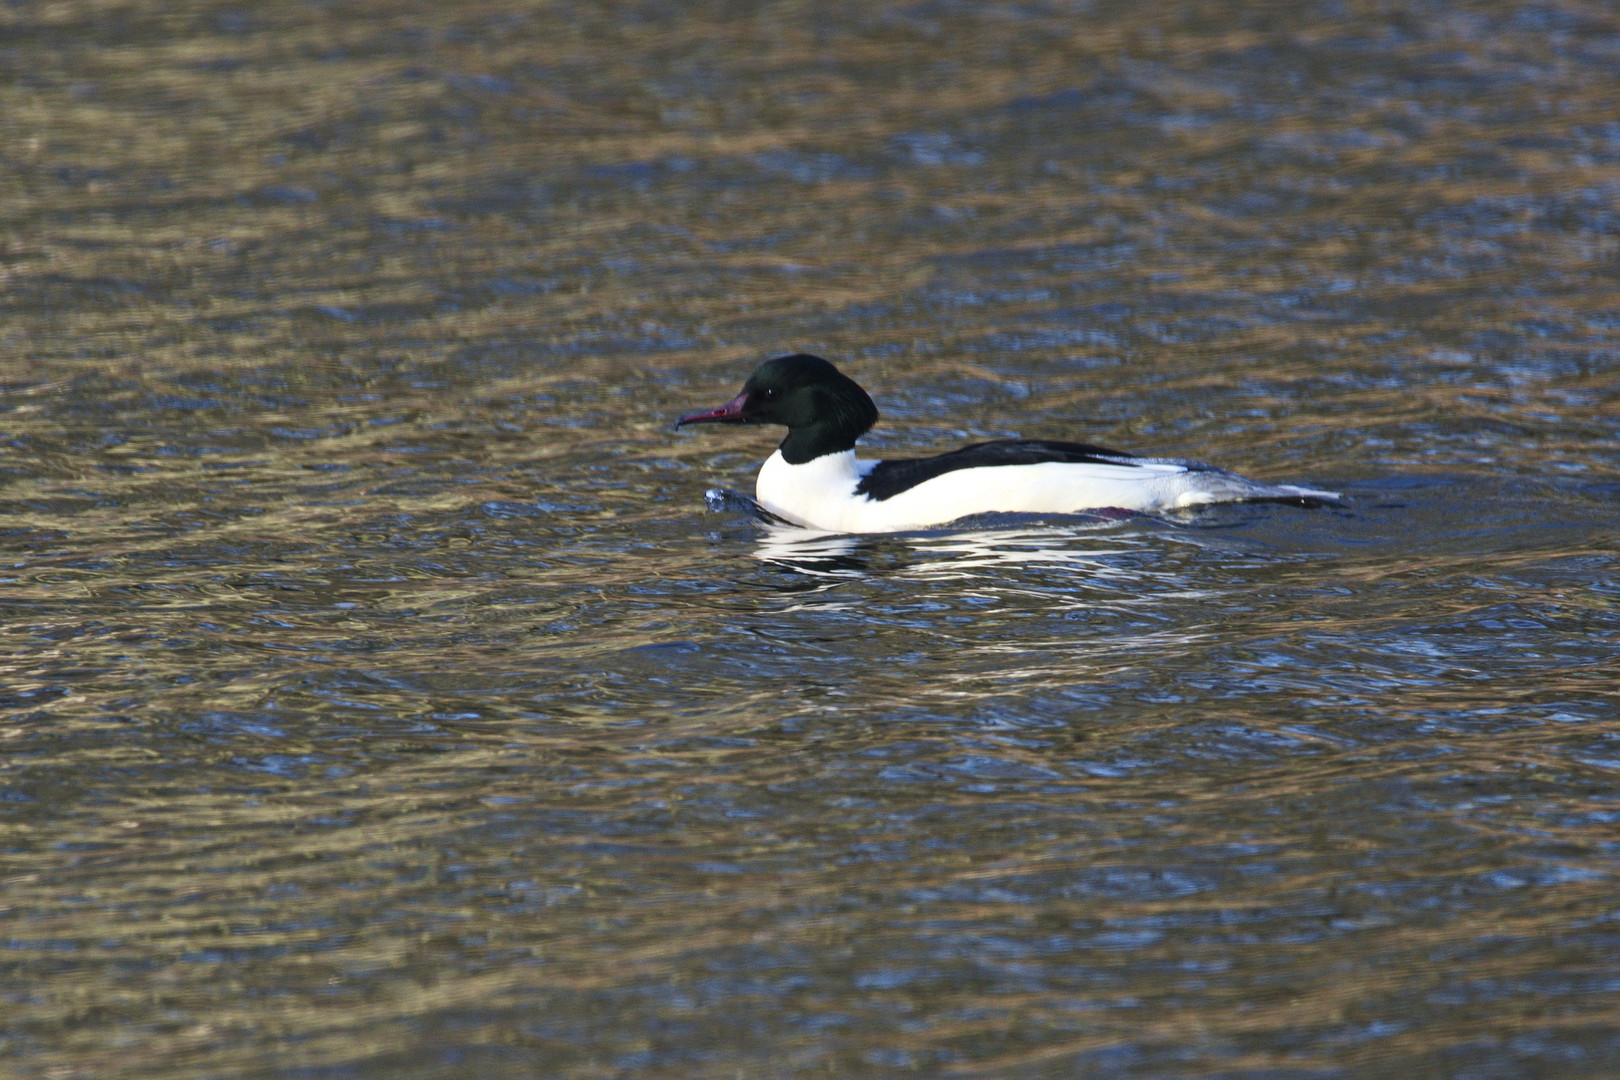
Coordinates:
<point>382,700</point>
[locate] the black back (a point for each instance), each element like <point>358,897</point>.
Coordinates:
<point>889,478</point>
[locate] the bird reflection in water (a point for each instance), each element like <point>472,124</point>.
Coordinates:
<point>973,544</point>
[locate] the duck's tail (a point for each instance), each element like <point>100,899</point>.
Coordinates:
<point>1216,485</point>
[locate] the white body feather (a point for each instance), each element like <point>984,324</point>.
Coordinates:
<point>820,494</point>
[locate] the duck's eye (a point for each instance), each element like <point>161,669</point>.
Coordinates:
<point>768,394</point>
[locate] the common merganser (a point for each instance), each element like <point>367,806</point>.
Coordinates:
<point>815,480</point>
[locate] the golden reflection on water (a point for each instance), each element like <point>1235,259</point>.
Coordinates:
<point>379,700</point>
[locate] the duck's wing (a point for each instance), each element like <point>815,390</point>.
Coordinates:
<point>886,479</point>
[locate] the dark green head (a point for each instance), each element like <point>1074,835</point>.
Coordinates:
<point>822,408</point>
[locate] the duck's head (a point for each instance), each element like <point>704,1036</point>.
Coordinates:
<point>822,408</point>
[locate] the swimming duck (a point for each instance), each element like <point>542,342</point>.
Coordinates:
<point>815,480</point>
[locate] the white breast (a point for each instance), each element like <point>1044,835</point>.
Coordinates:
<point>820,494</point>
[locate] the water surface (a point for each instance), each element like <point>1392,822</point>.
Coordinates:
<point>382,700</point>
